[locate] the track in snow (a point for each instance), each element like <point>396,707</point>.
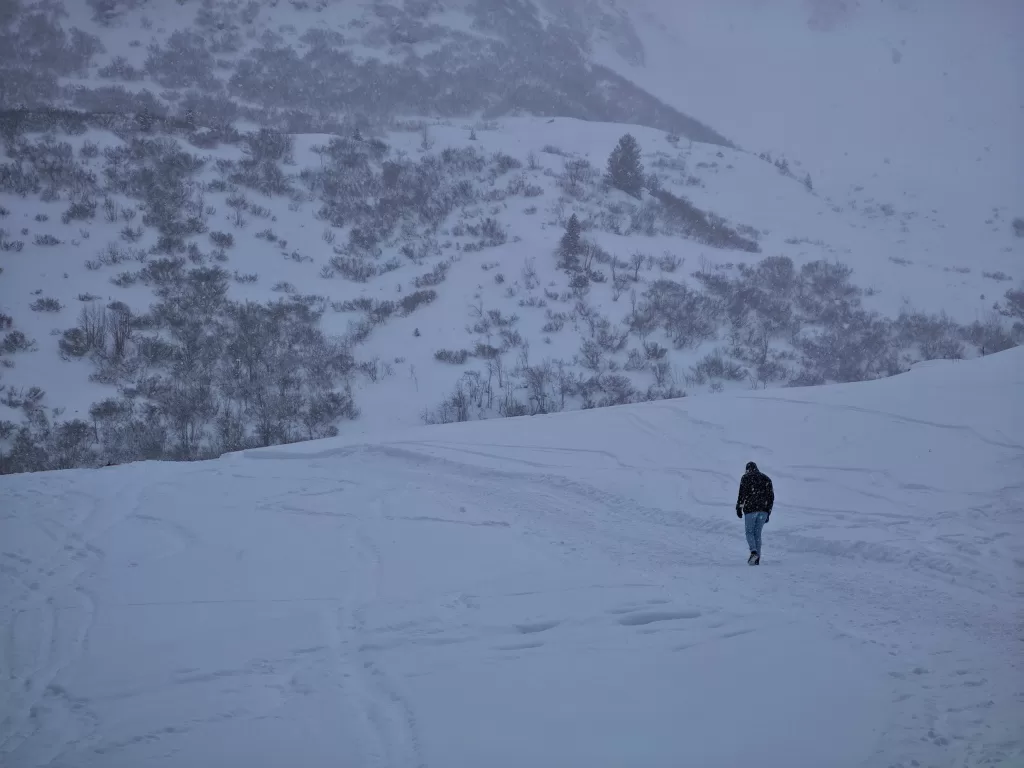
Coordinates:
<point>551,591</point>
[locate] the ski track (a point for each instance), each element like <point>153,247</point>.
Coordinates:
<point>892,417</point>
<point>39,708</point>
<point>940,731</point>
<point>553,490</point>
<point>393,722</point>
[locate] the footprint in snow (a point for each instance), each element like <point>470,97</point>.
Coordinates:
<point>520,646</point>
<point>640,619</point>
<point>622,610</point>
<point>632,608</point>
<point>535,627</point>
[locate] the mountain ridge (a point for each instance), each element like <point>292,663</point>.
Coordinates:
<point>490,58</point>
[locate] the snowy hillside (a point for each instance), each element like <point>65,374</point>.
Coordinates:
<point>550,591</point>
<point>212,246</point>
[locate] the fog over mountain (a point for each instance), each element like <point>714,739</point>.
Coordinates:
<point>925,96</point>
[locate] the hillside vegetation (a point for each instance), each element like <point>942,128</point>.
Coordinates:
<point>200,258</point>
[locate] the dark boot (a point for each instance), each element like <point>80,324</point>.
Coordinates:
<point>752,560</point>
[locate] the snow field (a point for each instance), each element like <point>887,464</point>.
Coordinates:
<point>557,590</point>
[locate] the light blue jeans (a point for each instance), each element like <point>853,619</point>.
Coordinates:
<point>754,522</point>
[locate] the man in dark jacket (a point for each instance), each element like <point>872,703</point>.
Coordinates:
<point>754,507</point>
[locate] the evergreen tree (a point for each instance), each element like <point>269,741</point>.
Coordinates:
<point>571,247</point>
<point>625,171</point>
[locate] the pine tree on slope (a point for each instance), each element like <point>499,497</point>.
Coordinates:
<point>625,171</point>
<point>571,247</point>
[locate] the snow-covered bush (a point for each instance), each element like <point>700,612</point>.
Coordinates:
<point>455,357</point>
<point>715,366</point>
<point>17,341</point>
<point>222,239</point>
<point>46,304</point>
<point>680,215</point>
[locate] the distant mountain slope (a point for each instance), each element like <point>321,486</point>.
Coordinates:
<point>305,65</point>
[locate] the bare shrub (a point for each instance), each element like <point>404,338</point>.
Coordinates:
<point>411,302</point>
<point>458,406</point>
<point>990,335</point>
<point>434,277</point>
<point>80,210</point>
<point>94,327</point>
<point>617,390</point>
<point>1000,277</point>
<point>854,347</point>
<point>688,317</point>
<point>669,263</point>
<point>555,321</point>
<point>934,336</point>
<point>222,239</point>
<point>635,361</point>
<point>131,235</point>
<point>578,175</point>
<point>706,228</point>
<point>353,268</point>
<point>17,341</point>
<point>715,366</point>
<point>46,304</point>
<point>455,357</point>
<point>654,351</point>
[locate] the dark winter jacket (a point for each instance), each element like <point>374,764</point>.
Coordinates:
<point>756,492</point>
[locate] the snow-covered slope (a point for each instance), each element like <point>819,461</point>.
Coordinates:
<point>904,262</point>
<point>553,591</point>
<point>220,247</point>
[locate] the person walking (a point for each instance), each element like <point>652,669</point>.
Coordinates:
<point>754,506</point>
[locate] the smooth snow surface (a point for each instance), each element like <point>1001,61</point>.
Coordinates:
<point>556,591</point>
